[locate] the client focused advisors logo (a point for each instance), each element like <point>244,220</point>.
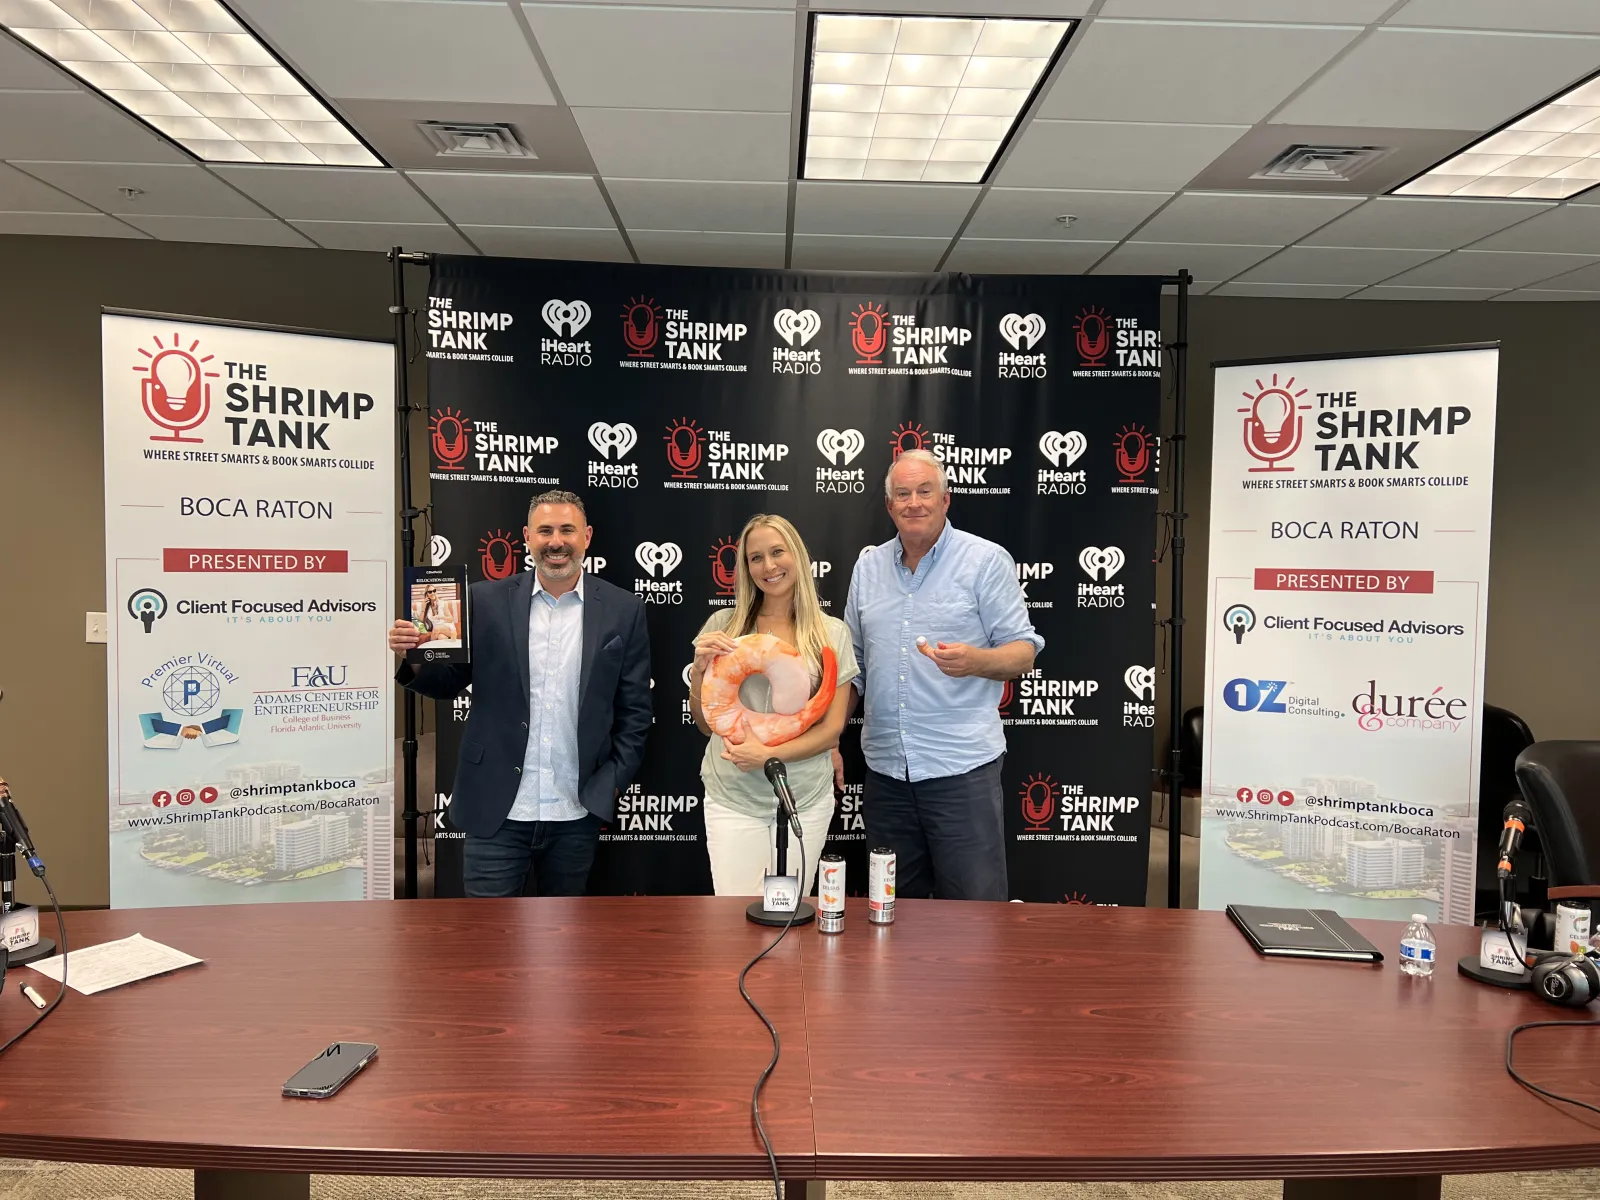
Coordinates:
<point>497,554</point>
<point>613,442</point>
<point>191,687</point>
<point>1140,712</point>
<point>450,437</point>
<point>174,391</point>
<point>1133,454</point>
<point>1063,812</point>
<point>1023,333</point>
<point>1061,450</point>
<point>1239,619</point>
<point>1038,794</point>
<point>869,333</point>
<point>641,326</point>
<point>797,328</point>
<point>658,559</point>
<point>1101,564</point>
<point>1115,347</point>
<point>1273,426</point>
<point>841,447</point>
<point>566,319</point>
<point>147,606</point>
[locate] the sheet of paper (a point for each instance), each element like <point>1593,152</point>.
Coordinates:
<point>112,964</point>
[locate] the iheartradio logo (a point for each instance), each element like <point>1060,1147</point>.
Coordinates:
<point>1101,564</point>
<point>1071,445</point>
<point>797,327</point>
<point>566,318</point>
<point>612,441</point>
<point>438,550</point>
<point>841,447</point>
<point>1022,332</point>
<point>652,556</point>
<point>1141,681</point>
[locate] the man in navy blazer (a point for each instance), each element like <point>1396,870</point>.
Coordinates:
<point>560,678</point>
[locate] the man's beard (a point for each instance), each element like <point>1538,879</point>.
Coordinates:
<point>560,570</point>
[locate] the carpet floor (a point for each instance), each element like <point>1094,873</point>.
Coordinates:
<point>74,1181</point>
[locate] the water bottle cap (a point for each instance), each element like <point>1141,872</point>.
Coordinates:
<point>1419,918</point>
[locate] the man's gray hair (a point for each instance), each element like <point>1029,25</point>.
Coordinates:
<point>559,497</point>
<point>921,456</point>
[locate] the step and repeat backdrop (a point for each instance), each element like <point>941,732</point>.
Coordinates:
<point>681,401</point>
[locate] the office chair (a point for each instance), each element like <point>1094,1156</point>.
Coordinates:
<point>1561,783</point>
<point>1505,735</point>
<point>1191,736</point>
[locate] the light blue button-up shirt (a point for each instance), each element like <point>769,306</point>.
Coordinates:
<point>548,790</point>
<point>919,722</point>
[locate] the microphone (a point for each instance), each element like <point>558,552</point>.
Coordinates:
<point>778,777</point>
<point>11,820</point>
<point>1518,817</point>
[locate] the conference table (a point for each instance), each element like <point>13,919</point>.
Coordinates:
<point>605,1038</point>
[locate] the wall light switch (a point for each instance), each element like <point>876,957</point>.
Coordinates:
<point>94,627</point>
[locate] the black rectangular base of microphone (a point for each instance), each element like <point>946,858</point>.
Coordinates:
<point>761,915</point>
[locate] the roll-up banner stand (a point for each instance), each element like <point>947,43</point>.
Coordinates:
<point>1347,599</point>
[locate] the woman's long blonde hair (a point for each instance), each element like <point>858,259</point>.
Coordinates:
<point>809,630</point>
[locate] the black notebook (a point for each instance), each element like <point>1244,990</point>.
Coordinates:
<point>1302,933</point>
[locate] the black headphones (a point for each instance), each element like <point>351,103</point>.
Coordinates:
<point>1570,980</point>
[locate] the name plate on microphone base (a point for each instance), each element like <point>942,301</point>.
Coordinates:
<point>780,897</point>
<point>1498,961</point>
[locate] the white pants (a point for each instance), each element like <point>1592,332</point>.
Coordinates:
<point>744,848</point>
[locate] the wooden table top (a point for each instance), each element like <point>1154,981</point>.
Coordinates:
<point>605,1037</point>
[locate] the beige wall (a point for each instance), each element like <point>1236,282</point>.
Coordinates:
<point>1546,562</point>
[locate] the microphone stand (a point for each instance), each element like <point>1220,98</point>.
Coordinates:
<point>803,912</point>
<point>44,947</point>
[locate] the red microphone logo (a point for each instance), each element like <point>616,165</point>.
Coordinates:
<point>1007,694</point>
<point>1272,427</point>
<point>1133,453</point>
<point>641,326</point>
<point>1038,802</point>
<point>907,436</point>
<point>450,435</point>
<point>1077,898</point>
<point>499,555</point>
<point>868,334</point>
<point>174,392</point>
<point>685,448</point>
<point>725,565</point>
<point>1093,336</point>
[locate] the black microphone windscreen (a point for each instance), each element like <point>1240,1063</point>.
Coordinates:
<point>775,770</point>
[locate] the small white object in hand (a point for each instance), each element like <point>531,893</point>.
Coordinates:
<point>921,642</point>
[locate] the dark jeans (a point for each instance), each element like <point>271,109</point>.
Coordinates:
<point>553,856</point>
<point>948,835</point>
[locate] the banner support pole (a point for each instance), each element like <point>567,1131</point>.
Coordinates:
<point>1179,435</point>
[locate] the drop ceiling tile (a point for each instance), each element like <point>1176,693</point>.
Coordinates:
<point>1320,264</point>
<point>1113,156</point>
<point>1168,258</point>
<point>1243,217</point>
<point>23,68</point>
<point>1345,11</point>
<point>836,252</point>
<point>607,56</point>
<point>1287,291</point>
<point>1030,214</point>
<point>390,50</point>
<point>1196,287</point>
<point>331,193</point>
<point>1548,295</point>
<point>1552,16</point>
<point>66,225</point>
<point>1491,268</point>
<point>1053,9</point>
<point>694,205</point>
<point>366,235</point>
<point>166,190</point>
<point>1229,73</point>
<point>1416,222</point>
<point>596,245</point>
<point>1011,256</point>
<point>1440,79</point>
<point>23,193</point>
<point>882,209</point>
<point>471,198</point>
<point>238,231</point>
<point>1583,279</point>
<point>683,248</point>
<point>76,126</point>
<point>1571,228</point>
<point>641,144</point>
<point>1387,292</point>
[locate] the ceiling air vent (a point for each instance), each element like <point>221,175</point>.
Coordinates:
<point>467,139</point>
<point>1321,164</point>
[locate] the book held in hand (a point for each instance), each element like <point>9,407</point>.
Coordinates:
<point>436,600</point>
<point>1302,933</point>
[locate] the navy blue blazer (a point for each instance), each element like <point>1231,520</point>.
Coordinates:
<point>614,711</point>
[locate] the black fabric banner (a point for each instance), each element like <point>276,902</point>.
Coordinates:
<point>680,401</point>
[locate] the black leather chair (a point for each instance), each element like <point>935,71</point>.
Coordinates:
<point>1505,736</point>
<point>1191,736</point>
<point>1561,783</point>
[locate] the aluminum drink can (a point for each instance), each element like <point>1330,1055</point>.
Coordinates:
<point>880,886</point>
<point>1572,928</point>
<point>830,894</point>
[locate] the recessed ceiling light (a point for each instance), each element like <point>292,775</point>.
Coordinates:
<point>919,99</point>
<point>1549,153</point>
<point>188,69</point>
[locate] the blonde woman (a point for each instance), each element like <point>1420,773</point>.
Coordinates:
<point>774,594</point>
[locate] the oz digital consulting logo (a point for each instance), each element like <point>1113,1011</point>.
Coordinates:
<point>1239,619</point>
<point>174,390</point>
<point>147,606</point>
<point>1255,695</point>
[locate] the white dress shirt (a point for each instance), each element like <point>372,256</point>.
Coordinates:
<point>549,787</point>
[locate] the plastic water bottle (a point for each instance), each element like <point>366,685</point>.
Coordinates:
<point>1417,948</point>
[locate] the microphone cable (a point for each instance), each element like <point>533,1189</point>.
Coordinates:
<point>61,942</point>
<point>777,1046</point>
<point>1511,1039</point>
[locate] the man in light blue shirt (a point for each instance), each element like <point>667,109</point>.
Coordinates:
<point>939,622</point>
